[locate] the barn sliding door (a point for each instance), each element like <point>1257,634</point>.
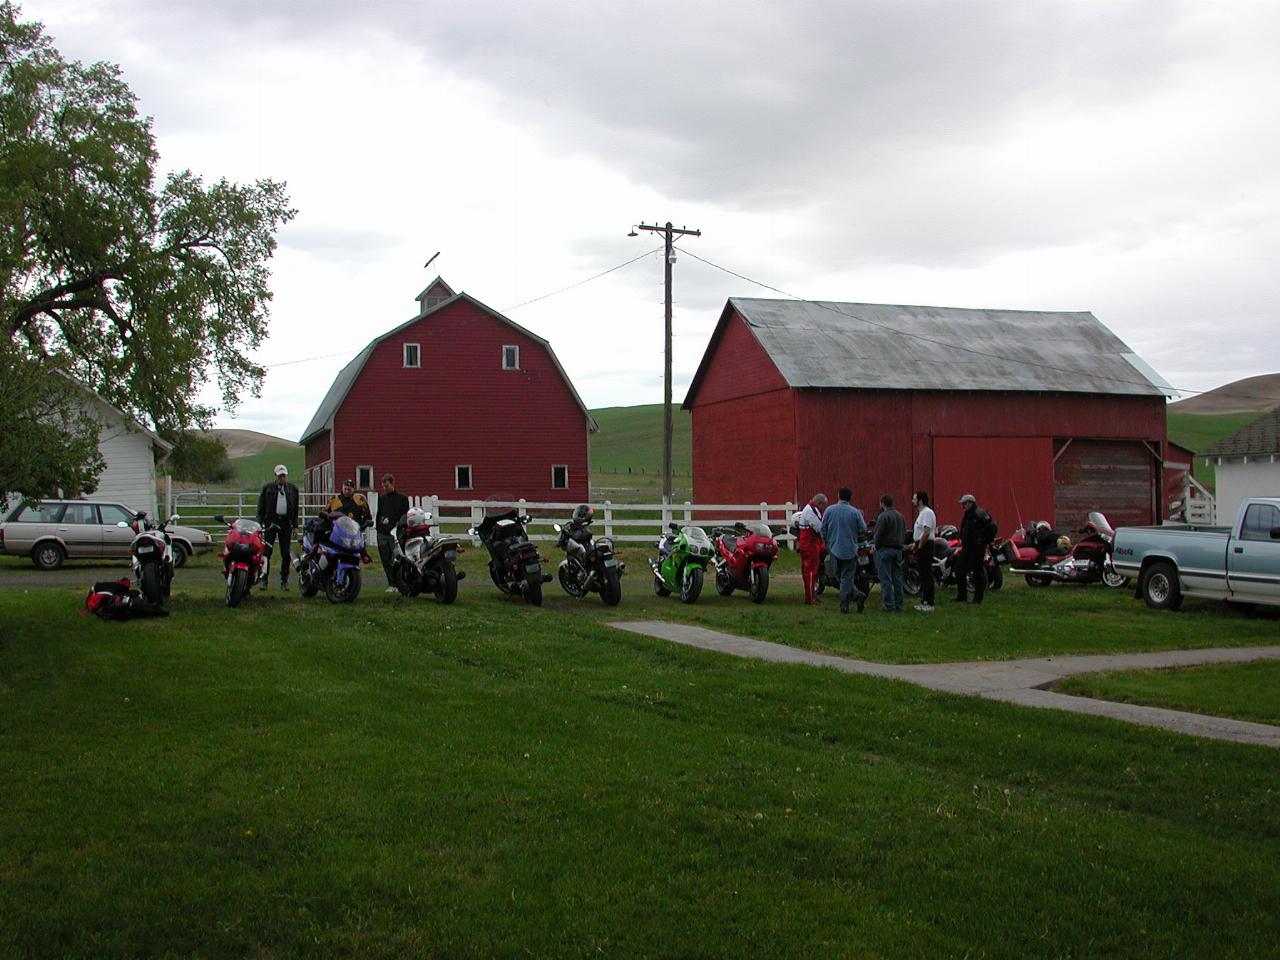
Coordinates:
<point>1116,477</point>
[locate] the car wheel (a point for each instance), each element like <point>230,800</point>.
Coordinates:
<point>180,555</point>
<point>48,555</point>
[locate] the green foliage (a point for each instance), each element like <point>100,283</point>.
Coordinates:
<point>198,458</point>
<point>47,443</point>
<point>142,293</point>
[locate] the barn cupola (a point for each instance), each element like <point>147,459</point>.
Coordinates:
<point>436,293</point>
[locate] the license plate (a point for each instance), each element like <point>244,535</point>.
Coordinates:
<point>611,562</point>
<point>451,555</point>
<point>143,549</point>
<point>533,568</point>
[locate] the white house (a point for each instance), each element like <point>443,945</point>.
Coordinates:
<point>1247,464</point>
<point>130,452</point>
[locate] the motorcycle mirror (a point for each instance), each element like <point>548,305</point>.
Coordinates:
<point>121,523</point>
<point>672,526</point>
<point>471,531</point>
<point>174,519</point>
<point>555,527</point>
<point>220,518</point>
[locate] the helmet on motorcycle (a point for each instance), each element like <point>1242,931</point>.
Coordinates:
<point>418,517</point>
<point>583,513</point>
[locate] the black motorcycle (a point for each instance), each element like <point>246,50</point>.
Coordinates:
<point>589,564</point>
<point>514,563</point>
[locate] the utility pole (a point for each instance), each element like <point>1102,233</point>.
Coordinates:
<point>668,232</point>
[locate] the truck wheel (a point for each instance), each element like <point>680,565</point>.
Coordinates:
<point>1160,587</point>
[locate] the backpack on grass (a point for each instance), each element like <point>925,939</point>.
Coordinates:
<point>114,600</point>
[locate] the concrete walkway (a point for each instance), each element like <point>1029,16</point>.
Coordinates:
<point>1014,681</point>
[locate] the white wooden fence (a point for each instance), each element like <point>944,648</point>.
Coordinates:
<point>623,522</point>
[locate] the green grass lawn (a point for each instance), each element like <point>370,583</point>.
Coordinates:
<point>1242,691</point>
<point>396,778</point>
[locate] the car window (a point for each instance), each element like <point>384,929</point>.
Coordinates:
<point>30,513</point>
<point>80,513</point>
<point>113,513</point>
<point>1259,518</point>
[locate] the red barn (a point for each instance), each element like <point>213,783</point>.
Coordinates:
<point>458,402</point>
<point>1041,415</point>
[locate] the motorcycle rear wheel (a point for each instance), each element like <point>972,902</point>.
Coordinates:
<point>237,587</point>
<point>995,577</point>
<point>533,593</point>
<point>149,582</point>
<point>611,589</point>
<point>1039,580</point>
<point>759,584</point>
<point>446,583</point>
<point>343,592</point>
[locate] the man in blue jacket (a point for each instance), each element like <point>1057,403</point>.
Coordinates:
<point>843,525</point>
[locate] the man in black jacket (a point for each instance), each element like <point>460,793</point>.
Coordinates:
<point>278,514</point>
<point>392,507</point>
<point>975,534</point>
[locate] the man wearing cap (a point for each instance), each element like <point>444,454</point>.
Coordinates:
<point>278,514</point>
<point>352,504</point>
<point>975,534</point>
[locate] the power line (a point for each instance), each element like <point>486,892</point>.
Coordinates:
<point>587,280</point>
<point>957,346</point>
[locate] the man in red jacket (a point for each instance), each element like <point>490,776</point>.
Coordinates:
<point>809,543</point>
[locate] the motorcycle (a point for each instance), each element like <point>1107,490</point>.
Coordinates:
<point>332,551</point>
<point>420,561</point>
<point>514,564</point>
<point>151,557</point>
<point>245,556</point>
<point>946,555</point>
<point>589,563</point>
<point>681,565</point>
<point>744,554</point>
<point>1043,556</point>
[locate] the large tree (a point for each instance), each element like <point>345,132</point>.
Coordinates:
<point>141,292</point>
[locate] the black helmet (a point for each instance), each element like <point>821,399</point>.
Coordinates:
<point>583,513</point>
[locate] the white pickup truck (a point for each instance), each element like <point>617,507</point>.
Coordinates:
<point>1240,563</point>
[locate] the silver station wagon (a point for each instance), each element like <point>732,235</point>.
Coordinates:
<point>55,530</point>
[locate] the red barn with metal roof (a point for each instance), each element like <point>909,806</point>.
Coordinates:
<point>458,402</point>
<point>1041,415</point>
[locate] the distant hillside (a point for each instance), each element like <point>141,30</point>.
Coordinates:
<point>244,443</point>
<point>1250,395</point>
<point>631,438</point>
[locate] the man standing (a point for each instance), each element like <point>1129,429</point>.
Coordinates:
<point>975,534</point>
<point>809,543</point>
<point>352,504</point>
<point>891,533</point>
<point>392,507</point>
<point>842,527</point>
<point>922,534</point>
<point>278,514</point>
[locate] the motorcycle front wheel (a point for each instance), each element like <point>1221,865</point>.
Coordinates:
<point>237,587</point>
<point>1114,580</point>
<point>660,588</point>
<point>149,583</point>
<point>497,580</point>
<point>723,586</point>
<point>567,579</point>
<point>911,580</point>
<point>759,584</point>
<point>446,583</point>
<point>343,592</point>
<point>691,584</point>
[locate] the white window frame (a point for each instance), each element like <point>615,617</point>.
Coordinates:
<point>516,357</point>
<point>361,477</point>
<point>565,468</point>
<point>471,477</point>
<point>417,356</point>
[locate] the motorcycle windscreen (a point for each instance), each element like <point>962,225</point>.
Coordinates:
<point>346,534</point>
<point>697,537</point>
<point>246,526</point>
<point>1100,524</point>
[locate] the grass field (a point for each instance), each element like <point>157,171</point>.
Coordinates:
<point>1243,691</point>
<point>1196,431</point>
<point>255,470</point>
<point>397,778</point>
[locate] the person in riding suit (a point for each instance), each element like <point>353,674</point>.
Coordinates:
<point>809,543</point>
<point>278,514</point>
<point>351,504</point>
<point>975,534</point>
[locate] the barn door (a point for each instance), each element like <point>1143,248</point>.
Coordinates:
<point>1116,477</point>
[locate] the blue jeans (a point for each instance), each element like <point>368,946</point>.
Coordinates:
<point>889,570</point>
<point>845,569</point>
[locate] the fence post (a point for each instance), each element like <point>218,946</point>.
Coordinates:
<point>476,511</point>
<point>666,515</point>
<point>688,513</point>
<point>433,504</point>
<point>790,509</point>
<point>240,504</point>
<point>608,519</point>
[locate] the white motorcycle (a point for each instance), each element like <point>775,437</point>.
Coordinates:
<point>422,562</point>
<point>151,557</point>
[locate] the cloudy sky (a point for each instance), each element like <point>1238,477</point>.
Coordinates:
<point>1119,157</point>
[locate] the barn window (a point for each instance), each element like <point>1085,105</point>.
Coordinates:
<point>510,358</point>
<point>559,477</point>
<point>412,355</point>
<point>462,476</point>
<point>364,478</point>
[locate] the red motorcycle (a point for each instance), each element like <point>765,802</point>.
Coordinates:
<point>245,557</point>
<point>1044,556</point>
<point>744,554</point>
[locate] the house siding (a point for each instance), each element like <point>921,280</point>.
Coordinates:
<point>130,474</point>
<point>461,407</point>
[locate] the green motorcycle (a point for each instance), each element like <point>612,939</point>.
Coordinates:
<point>681,564</point>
